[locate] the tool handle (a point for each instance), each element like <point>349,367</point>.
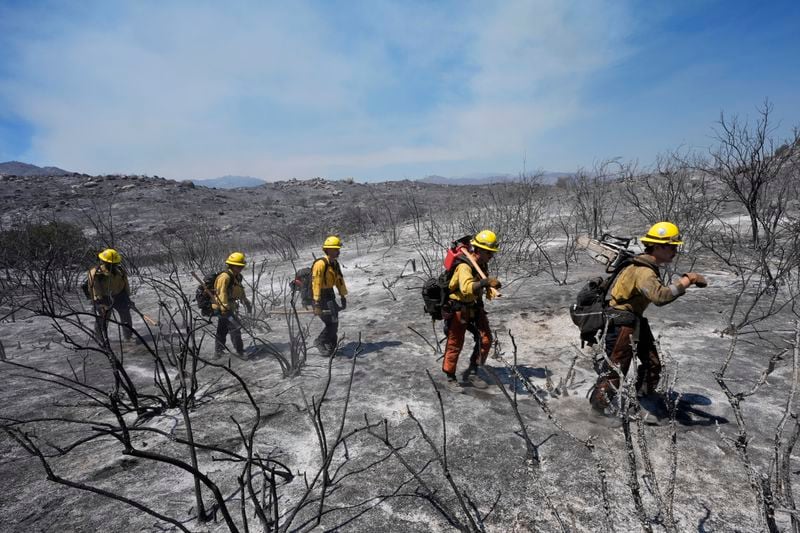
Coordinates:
<point>210,293</point>
<point>149,320</point>
<point>494,293</point>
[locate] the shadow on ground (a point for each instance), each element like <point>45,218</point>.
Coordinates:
<point>687,413</point>
<point>261,351</point>
<point>508,379</point>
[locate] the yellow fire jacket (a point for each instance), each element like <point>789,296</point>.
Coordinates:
<point>229,290</point>
<point>465,285</point>
<point>638,285</point>
<point>325,275</point>
<point>104,283</point>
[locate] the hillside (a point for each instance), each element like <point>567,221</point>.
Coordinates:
<point>17,168</point>
<point>149,209</point>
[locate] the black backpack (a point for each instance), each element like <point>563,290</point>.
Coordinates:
<point>589,310</point>
<point>434,294</point>
<point>301,284</point>
<point>435,291</point>
<point>204,294</point>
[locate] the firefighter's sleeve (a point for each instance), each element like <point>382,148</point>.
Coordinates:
<point>221,289</point>
<point>651,287</point>
<point>99,285</point>
<point>94,290</point>
<point>340,285</point>
<point>317,279</point>
<point>467,284</point>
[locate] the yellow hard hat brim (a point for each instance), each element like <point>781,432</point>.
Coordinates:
<point>649,240</point>
<point>485,247</point>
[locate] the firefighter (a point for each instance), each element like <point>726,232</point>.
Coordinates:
<point>109,291</point>
<point>635,288</point>
<point>229,291</point>
<point>465,312</point>
<point>326,274</point>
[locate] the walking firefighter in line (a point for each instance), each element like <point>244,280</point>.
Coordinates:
<point>635,288</point>
<point>326,273</point>
<point>229,291</point>
<point>109,290</point>
<point>464,310</point>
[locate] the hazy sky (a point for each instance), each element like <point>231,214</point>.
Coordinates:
<point>382,90</point>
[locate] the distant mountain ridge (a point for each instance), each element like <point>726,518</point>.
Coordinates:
<point>230,182</point>
<point>487,178</point>
<point>18,168</point>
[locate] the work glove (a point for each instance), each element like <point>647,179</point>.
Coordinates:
<point>696,279</point>
<point>491,282</point>
<point>317,308</point>
<point>344,303</point>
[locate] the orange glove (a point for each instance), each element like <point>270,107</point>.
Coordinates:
<point>696,279</point>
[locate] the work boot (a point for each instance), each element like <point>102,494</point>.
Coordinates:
<point>322,347</point>
<point>452,384</point>
<point>602,395</point>
<point>471,377</point>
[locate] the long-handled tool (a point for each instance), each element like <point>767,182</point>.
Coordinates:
<point>283,311</point>
<point>493,293</point>
<point>147,318</point>
<point>205,289</point>
<point>609,250</point>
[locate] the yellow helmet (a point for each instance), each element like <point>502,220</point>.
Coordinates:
<point>236,259</point>
<point>487,240</point>
<point>109,255</point>
<point>332,242</point>
<point>663,233</point>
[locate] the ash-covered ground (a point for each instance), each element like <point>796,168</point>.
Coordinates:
<point>485,452</point>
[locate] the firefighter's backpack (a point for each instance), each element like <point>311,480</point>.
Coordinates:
<point>204,294</point>
<point>301,284</point>
<point>435,290</point>
<point>589,310</point>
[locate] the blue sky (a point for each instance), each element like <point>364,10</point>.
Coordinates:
<point>383,90</point>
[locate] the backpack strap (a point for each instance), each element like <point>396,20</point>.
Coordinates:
<point>457,261</point>
<point>317,260</point>
<point>633,261</point>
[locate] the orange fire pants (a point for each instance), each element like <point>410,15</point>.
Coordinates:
<point>476,322</point>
